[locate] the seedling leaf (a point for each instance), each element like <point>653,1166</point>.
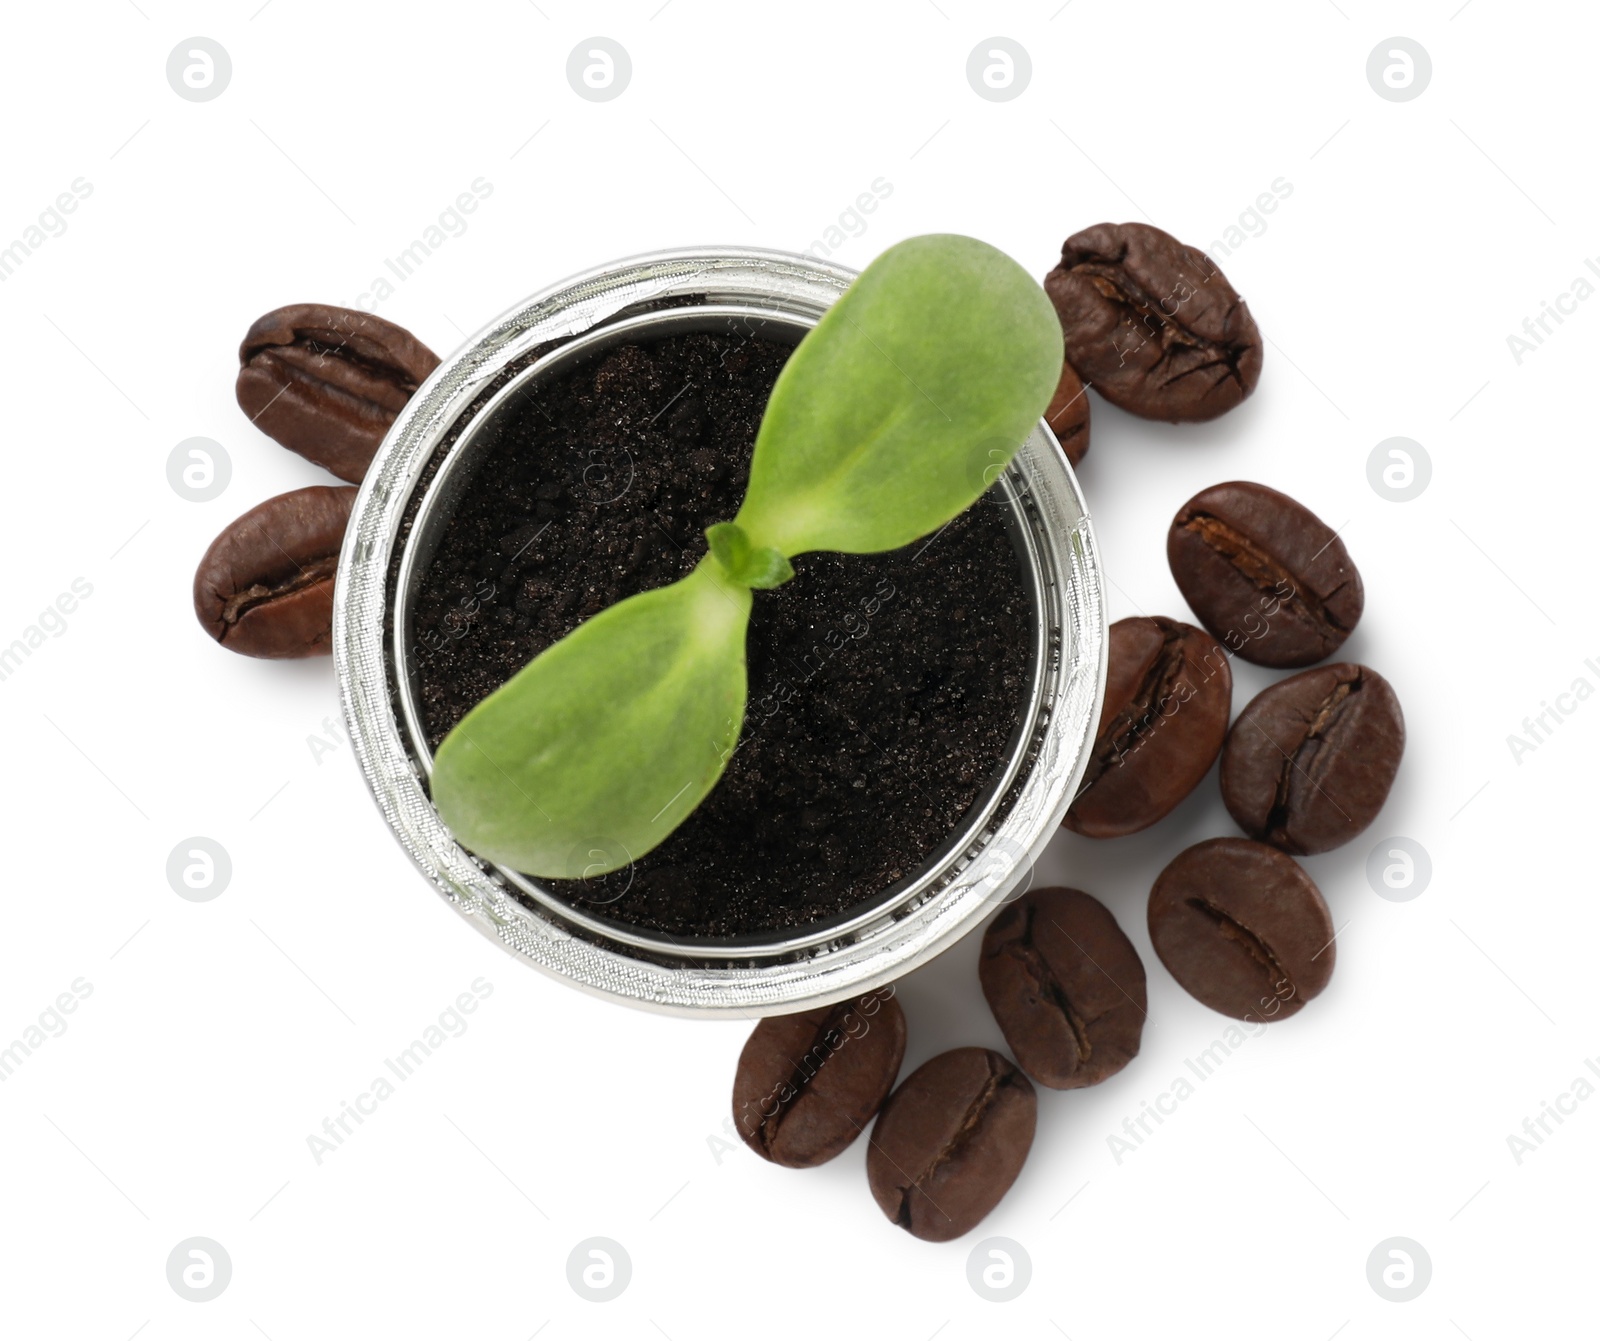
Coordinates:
<point>607,740</point>
<point>893,415</point>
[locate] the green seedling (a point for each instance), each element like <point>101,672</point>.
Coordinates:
<point>891,417</point>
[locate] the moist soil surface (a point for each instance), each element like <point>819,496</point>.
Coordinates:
<point>883,688</point>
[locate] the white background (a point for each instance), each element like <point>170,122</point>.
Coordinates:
<point>219,1035</point>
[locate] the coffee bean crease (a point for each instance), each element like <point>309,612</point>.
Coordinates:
<point>1230,927</point>
<point>1119,287</point>
<point>1164,716</point>
<point>1306,756</point>
<point>1268,574</point>
<point>768,1129</point>
<point>1154,689</point>
<point>970,1125</point>
<point>1050,987</point>
<point>240,603</point>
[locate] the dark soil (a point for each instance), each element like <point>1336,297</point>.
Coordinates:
<point>884,689</point>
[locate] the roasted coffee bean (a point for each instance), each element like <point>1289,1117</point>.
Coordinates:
<point>327,382</point>
<point>1153,325</point>
<point>950,1141</point>
<point>1065,985</point>
<point>1068,415</point>
<point>1169,689</point>
<point>1264,574</point>
<point>808,1084</point>
<point>1310,761</point>
<point>265,587</point>
<point>1242,928</point>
